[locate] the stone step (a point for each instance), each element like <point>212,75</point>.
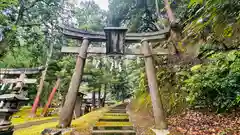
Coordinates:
<point>115,114</point>
<point>112,125</point>
<point>114,118</point>
<point>117,111</point>
<point>113,132</point>
<point>109,120</point>
<point>113,128</point>
<point>119,108</point>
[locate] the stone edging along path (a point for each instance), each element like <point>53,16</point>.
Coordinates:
<point>33,123</point>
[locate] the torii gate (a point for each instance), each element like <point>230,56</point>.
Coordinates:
<point>22,72</point>
<point>9,103</point>
<point>115,38</point>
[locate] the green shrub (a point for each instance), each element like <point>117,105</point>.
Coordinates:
<point>173,98</point>
<point>215,84</point>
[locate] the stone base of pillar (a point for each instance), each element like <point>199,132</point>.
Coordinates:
<point>160,132</point>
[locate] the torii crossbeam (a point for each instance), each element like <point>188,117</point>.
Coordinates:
<point>21,70</point>
<point>78,34</point>
<point>101,37</point>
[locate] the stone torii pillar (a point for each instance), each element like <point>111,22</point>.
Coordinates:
<point>158,111</point>
<point>69,104</point>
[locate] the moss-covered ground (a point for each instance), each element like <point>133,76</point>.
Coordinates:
<point>22,116</point>
<point>88,120</point>
<point>82,124</point>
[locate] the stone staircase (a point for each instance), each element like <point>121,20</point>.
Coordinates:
<point>114,122</point>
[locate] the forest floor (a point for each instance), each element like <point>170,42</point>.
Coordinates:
<point>190,123</point>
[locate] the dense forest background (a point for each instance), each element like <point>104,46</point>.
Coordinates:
<point>205,73</point>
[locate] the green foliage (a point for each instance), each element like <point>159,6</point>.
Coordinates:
<point>90,17</point>
<point>142,102</point>
<point>20,57</point>
<point>215,84</point>
<point>138,15</point>
<point>23,22</point>
<point>169,82</point>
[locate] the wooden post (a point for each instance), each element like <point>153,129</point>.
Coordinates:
<point>3,86</point>
<point>158,112</point>
<point>93,99</point>
<point>1,81</point>
<point>68,107</point>
<point>99,96</point>
<point>51,96</point>
<point>39,92</point>
<point>11,86</point>
<point>20,83</point>
<point>104,95</point>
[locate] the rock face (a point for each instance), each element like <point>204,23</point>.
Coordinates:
<point>114,122</point>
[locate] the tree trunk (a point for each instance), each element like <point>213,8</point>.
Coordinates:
<point>104,95</point>
<point>123,96</point>
<point>99,97</point>
<point>51,96</point>
<point>93,99</point>
<point>169,11</point>
<point>158,111</point>
<point>68,107</point>
<point>175,28</point>
<point>157,8</point>
<point>40,88</point>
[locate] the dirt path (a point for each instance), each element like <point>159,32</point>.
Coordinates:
<point>29,124</point>
<point>141,122</point>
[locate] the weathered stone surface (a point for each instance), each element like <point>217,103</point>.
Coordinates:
<point>12,97</point>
